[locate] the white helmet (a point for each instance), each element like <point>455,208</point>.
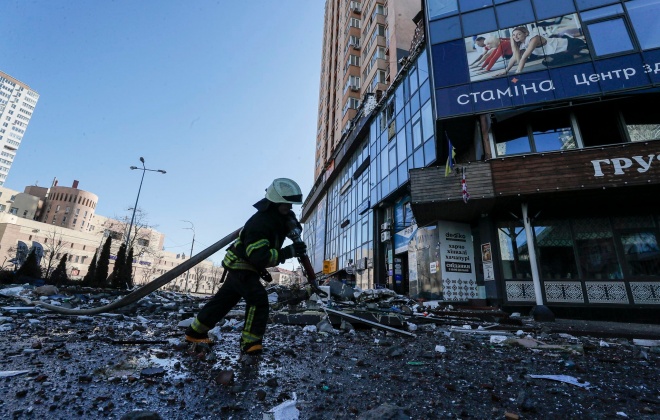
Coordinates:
<point>284,190</point>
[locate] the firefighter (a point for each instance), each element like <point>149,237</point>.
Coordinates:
<point>258,246</point>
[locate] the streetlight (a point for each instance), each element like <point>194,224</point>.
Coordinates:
<point>192,227</point>
<point>144,169</point>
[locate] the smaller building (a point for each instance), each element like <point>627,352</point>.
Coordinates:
<point>69,226</point>
<point>285,277</point>
<point>69,207</point>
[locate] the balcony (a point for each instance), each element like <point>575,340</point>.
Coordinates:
<point>436,196</point>
<point>559,179</point>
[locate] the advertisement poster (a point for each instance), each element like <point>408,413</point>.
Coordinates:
<point>422,251</point>
<point>489,272</point>
<point>457,261</point>
<point>554,63</point>
<point>486,255</point>
<point>487,260</point>
<point>524,48</point>
<point>402,239</point>
<point>412,272</point>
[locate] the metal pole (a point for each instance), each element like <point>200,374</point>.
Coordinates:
<point>540,311</point>
<point>130,226</point>
<point>185,288</point>
<point>538,292</point>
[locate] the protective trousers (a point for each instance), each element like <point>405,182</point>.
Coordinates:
<point>240,284</point>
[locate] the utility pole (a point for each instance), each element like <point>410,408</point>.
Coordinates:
<point>144,170</point>
<point>192,245</point>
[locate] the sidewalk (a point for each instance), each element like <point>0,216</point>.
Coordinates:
<point>603,328</point>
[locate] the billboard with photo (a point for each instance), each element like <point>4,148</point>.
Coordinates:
<point>509,54</point>
<point>525,48</point>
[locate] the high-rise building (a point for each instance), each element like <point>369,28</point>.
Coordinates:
<point>494,171</point>
<point>17,103</point>
<point>363,42</point>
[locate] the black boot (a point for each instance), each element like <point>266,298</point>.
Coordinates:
<point>193,336</point>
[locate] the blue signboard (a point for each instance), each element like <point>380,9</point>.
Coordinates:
<point>536,56</point>
<point>628,72</point>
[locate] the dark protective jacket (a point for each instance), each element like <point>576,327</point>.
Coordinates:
<point>259,244</point>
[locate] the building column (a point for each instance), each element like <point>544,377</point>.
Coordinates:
<point>540,311</point>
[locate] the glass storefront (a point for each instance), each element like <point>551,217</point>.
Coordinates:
<point>584,248</point>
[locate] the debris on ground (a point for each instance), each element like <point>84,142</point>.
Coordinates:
<point>400,358</point>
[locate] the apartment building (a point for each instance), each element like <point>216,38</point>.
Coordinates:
<point>527,182</point>
<point>363,42</point>
<point>365,185</point>
<point>17,103</point>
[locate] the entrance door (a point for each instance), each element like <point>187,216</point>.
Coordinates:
<point>401,281</point>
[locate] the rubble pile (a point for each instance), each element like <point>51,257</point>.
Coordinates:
<point>437,361</point>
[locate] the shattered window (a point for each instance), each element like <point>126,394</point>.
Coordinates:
<point>595,248</point>
<point>513,250</point>
<point>555,250</point>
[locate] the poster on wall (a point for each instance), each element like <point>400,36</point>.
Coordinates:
<point>486,254</point>
<point>489,271</point>
<point>457,261</point>
<point>524,48</point>
<point>413,284</point>
<point>487,260</point>
<point>422,251</point>
<point>402,239</point>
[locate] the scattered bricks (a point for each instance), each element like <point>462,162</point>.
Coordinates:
<point>225,377</point>
<point>261,394</point>
<point>152,372</point>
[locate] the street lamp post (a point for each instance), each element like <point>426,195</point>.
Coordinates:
<point>130,227</point>
<point>192,227</point>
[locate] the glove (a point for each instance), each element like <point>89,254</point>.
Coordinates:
<point>296,249</point>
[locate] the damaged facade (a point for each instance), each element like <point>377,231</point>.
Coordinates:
<point>549,197</point>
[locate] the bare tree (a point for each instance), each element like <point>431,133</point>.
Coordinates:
<point>141,240</point>
<point>2,267</point>
<point>216,274</point>
<point>53,245</point>
<point>198,272</point>
<point>11,255</point>
<point>149,271</point>
<point>178,284</point>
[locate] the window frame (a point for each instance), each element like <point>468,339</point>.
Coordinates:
<point>622,15</point>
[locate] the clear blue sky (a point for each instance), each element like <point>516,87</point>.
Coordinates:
<point>220,94</point>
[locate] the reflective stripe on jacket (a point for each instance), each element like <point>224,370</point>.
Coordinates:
<point>259,243</point>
